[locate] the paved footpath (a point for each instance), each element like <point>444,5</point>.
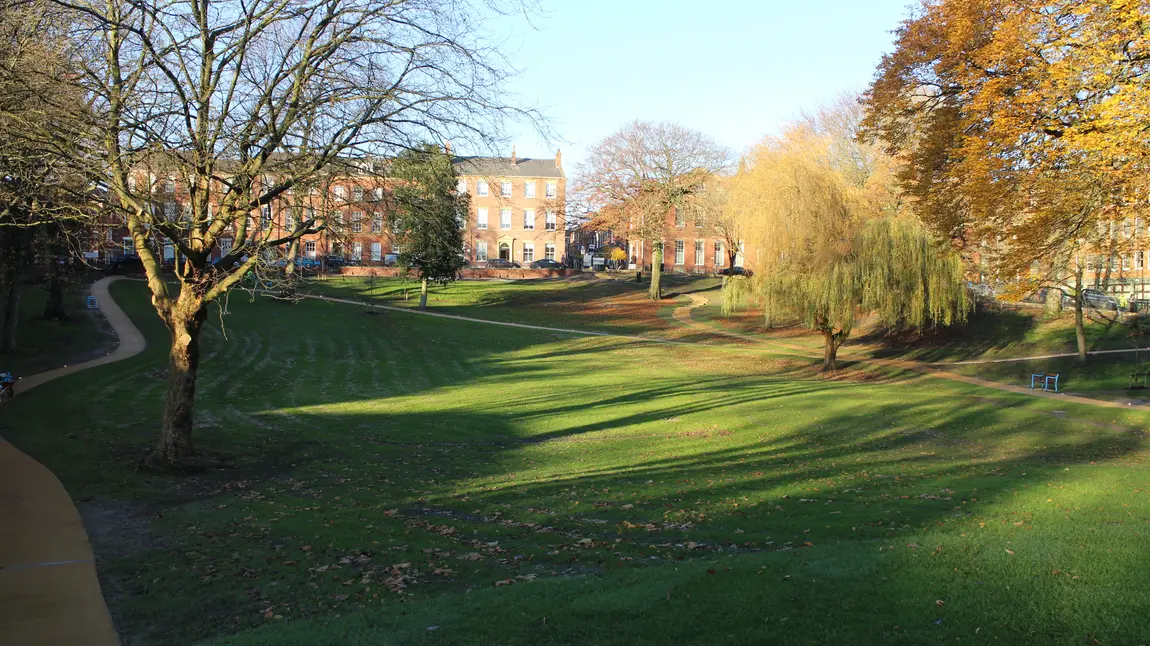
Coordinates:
<point>49,593</point>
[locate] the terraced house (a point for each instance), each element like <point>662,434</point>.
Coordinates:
<point>517,208</point>
<point>517,212</point>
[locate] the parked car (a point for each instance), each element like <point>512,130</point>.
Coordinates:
<point>546,263</point>
<point>334,262</point>
<point>502,263</point>
<point>1099,300</point>
<point>308,264</point>
<point>736,271</point>
<point>390,259</point>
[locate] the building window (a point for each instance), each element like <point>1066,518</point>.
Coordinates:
<point>718,254</point>
<point>1126,227</point>
<point>357,222</point>
<point>504,218</point>
<point>129,248</point>
<point>481,188</point>
<point>680,219</point>
<point>357,251</point>
<point>505,188</point>
<point>357,193</point>
<point>376,251</point>
<point>1139,261</point>
<point>481,251</point>
<point>481,218</point>
<point>132,182</point>
<point>377,193</point>
<point>504,251</point>
<point>225,245</point>
<point>289,218</point>
<point>376,223</point>
<point>550,222</point>
<point>171,210</point>
<point>529,189</point>
<point>549,251</point>
<point>310,213</point>
<point>529,219</point>
<point>267,213</point>
<point>309,249</point>
<point>552,190</point>
<point>170,185</point>
<point>461,186</point>
<point>700,254</point>
<point>680,251</point>
<point>528,252</point>
<point>338,192</point>
<point>740,257</point>
<point>1125,261</point>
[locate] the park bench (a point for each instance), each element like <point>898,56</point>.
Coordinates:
<point>1135,376</point>
<point>1048,382</point>
<point>7,384</point>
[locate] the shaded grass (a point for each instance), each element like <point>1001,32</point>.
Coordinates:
<point>43,345</point>
<point>388,472</point>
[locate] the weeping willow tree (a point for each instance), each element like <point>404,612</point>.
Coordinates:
<point>834,240</point>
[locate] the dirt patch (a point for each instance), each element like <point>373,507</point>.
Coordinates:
<point>117,529</point>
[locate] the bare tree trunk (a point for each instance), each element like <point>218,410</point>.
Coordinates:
<point>423,295</point>
<point>11,314</point>
<point>830,351</point>
<point>656,291</point>
<point>175,444</point>
<point>1079,318</point>
<point>54,307</point>
<point>1053,303</point>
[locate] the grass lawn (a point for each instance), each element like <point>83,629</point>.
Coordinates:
<point>42,345</point>
<point>1103,376</point>
<point>398,479</point>
<point>988,335</point>
<point>618,306</point>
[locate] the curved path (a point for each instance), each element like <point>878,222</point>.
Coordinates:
<point>683,315</point>
<point>49,593</point>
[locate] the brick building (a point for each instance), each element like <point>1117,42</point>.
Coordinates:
<point>518,208</point>
<point>690,246</point>
<point>517,212</point>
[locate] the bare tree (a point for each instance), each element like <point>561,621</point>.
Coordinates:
<point>632,179</point>
<point>239,102</point>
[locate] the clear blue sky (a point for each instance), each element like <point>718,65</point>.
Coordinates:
<point>735,69</point>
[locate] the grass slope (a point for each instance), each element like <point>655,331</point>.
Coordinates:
<point>43,345</point>
<point>394,473</point>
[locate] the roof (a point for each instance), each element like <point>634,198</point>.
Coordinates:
<point>503,167</point>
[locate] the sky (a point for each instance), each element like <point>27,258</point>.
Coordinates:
<point>734,69</point>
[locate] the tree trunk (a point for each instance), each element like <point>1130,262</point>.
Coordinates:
<point>11,315</point>
<point>54,308</point>
<point>830,351</point>
<point>656,291</point>
<point>1053,303</point>
<point>423,295</point>
<point>175,445</point>
<point>732,255</point>
<point>1079,318</point>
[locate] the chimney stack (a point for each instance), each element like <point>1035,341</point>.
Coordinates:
<point>514,160</point>
<point>558,159</point>
<point>447,147</point>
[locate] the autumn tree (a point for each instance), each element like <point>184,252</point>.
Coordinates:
<point>238,103</point>
<point>633,179</point>
<point>429,216</point>
<point>835,242</point>
<point>1023,125</point>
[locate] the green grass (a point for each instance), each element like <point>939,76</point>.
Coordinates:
<point>1103,376</point>
<point>43,345</point>
<point>386,474</point>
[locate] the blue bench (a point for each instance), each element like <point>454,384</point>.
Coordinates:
<point>1048,382</point>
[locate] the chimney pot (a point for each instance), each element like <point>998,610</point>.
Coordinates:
<point>447,147</point>
<point>514,159</point>
<point>558,159</point>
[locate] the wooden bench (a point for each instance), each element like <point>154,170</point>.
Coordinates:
<point>1143,376</point>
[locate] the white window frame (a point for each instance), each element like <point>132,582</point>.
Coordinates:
<point>309,249</point>
<point>171,210</point>
<point>481,188</point>
<point>529,219</point>
<point>700,253</point>
<point>357,222</point>
<point>461,186</point>
<point>289,218</point>
<point>127,246</point>
<point>1139,260</point>
<point>338,192</point>
<point>357,250</point>
<point>376,251</point>
<point>680,219</point>
<point>377,193</point>
<point>506,188</point>
<point>720,257</point>
<point>529,189</point>
<point>481,251</point>
<point>528,252</point>
<point>680,252</point>
<point>225,245</point>
<point>481,218</point>
<point>357,193</point>
<point>376,223</point>
<point>549,223</point>
<point>504,219</point>
<point>552,190</point>
<point>549,251</point>
<point>1125,261</point>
